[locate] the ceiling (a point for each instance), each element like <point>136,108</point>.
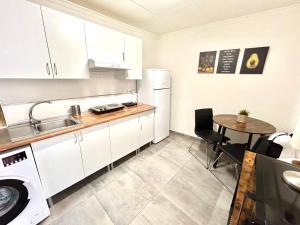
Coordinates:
<point>162,16</point>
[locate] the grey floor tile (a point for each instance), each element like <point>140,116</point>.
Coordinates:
<point>156,171</point>
<point>140,220</point>
<point>181,196</point>
<point>124,198</point>
<point>163,212</point>
<point>194,186</point>
<point>182,139</point>
<point>138,159</point>
<point>177,154</point>
<point>89,212</point>
<point>227,175</point>
<point>220,213</point>
<point>113,175</point>
<point>200,181</point>
<point>67,200</point>
<point>158,146</point>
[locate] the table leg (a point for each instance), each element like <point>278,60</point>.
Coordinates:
<point>233,201</point>
<point>223,130</point>
<point>249,141</point>
<point>216,144</point>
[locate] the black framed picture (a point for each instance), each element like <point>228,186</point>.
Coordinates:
<point>207,62</point>
<point>228,60</point>
<point>254,60</point>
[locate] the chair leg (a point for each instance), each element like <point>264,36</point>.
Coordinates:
<point>192,145</point>
<point>203,163</point>
<point>210,168</point>
<point>236,171</point>
<point>206,149</point>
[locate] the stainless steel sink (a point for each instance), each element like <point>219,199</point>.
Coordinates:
<point>56,125</point>
<point>25,130</point>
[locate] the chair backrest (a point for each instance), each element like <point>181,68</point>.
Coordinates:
<point>264,146</point>
<point>203,119</point>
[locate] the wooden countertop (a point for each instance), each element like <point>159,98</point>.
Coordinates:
<point>88,119</point>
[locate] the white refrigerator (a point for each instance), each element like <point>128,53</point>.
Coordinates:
<point>154,89</point>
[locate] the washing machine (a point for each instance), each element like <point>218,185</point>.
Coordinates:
<point>22,201</point>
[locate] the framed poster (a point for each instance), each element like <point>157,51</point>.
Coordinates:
<point>228,60</point>
<point>254,60</point>
<point>207,62</point>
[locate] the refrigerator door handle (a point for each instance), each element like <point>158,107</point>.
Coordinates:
<point>161,89</point>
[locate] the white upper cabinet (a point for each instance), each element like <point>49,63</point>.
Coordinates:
<point>66,41</point>
<point>133,57</point>
<point>24,52</point>
<point>103,44</point>
<point>95,148</point>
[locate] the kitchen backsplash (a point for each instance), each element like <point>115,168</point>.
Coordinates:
<point>18,113</point>
<point>16,91</point>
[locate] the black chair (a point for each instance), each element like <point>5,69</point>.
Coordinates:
<point>204,130</point>
<point>262,146</point>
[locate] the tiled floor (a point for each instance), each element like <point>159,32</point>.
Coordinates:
<point>163,185</point>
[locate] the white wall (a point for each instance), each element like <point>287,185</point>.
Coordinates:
<point>273,96</point>
<point>23,91</point>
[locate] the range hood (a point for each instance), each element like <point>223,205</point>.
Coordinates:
<point>96,66</point>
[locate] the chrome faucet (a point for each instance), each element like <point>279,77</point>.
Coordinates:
<point>33,121</point>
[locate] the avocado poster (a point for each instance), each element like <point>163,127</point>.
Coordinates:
<point>228,60</point>
<point>254,60</point>
<point>207,62</point>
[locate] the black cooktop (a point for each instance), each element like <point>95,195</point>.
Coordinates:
<point>106,108</point>
<point>128,104</point>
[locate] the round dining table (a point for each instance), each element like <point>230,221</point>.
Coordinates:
<point>252,126</point>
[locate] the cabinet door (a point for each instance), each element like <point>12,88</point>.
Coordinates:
<point>147,127</point>
<point>95,148</point>
<point>24,52</point>
<point>66,41</point>
<point>59,163</point>
<point>124,136</point>
<point>133,57</point>
<point>103,44</point>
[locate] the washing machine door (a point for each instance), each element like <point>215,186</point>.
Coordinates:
<point>13,199</point>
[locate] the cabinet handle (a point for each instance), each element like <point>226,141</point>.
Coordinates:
<point>55,69</point>
<point>123,56</point>
<point>75,140</point>
<point>47,68</point>
<point>81,136</point>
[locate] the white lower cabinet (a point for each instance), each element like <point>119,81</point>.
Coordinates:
<point>95,148</point>
<point>66,159</point>
<point>124,136</point>
<point>59,163</point>
<point>147,127</point>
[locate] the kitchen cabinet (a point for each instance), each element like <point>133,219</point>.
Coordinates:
<point>95,148</point>
<point>146,127</point>
<point>124,136</point>
<point>59,162</point>
<point>24,52</point>
<point>103,44</point>
<point>133,57</point>
<point>66,42</point>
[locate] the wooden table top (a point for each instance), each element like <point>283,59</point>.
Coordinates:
<point>88,119</point>
<point>253,126</point>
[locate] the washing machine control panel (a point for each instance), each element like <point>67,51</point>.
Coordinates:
<point>13,159</point>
